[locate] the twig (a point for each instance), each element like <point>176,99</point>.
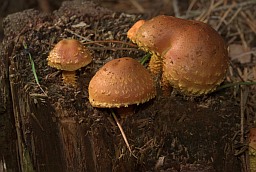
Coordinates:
<point>111,41</point>
<point>89,41</point>
<point>190,7</point>
<point>123,134</point>
<point>196,13</point>
<point>224,17</point>
<point>242,37</point>
<point>243,100</point>
<point>250,21</point>
<point>137,5</point>
<point>205,16</point>
<point>113,48</point>
<point>238,5</point>
<point>234,15</point>
<point>244,54</point>
<point>37,121</point>
<point>235,84</point>
<point>82,37</point>
<point>176,8</point>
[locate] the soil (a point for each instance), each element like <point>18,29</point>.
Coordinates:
<point>174,133</point>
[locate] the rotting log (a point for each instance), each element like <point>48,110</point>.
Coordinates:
<point>60,131</point>
<point>8,146</point>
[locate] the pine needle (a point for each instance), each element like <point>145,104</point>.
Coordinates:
<point>33,66</point>
<point>235,84</point>
<point>145,58</point>
<point>123,134</point>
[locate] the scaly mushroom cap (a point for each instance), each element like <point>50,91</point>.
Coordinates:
<point>121,82</point>
<point>69,55</point>
<point>194,55</point>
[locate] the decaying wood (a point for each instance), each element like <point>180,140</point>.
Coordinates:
<point>60,130</point>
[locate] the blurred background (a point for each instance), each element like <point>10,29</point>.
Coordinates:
<point>146,7</point>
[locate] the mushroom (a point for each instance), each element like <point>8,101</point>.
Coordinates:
<point>69,55</point>
<point>190,55</point>
<point>120,83</point>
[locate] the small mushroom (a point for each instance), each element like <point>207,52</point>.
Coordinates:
<point>69,55</point>
<point>120,83</point>
<point>190,55</point>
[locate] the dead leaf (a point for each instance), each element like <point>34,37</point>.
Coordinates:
<point>239,53</point>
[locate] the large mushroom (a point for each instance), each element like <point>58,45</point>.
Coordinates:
<point>121,82</point>
<point>191,55</point>
<point>69,55</point>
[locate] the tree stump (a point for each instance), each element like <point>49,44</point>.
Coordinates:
<point>57,128</point>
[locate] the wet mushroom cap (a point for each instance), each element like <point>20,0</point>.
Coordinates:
<point>121,82</point>
<point>158,34</point>
<point>69,55</point>
<point>198,61</point>
<point>194,56</point>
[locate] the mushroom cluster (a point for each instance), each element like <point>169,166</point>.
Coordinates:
<point>190,55</point>
<point>121,82</point>
<point>69,55</point>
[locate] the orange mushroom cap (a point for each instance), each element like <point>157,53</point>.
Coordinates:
<point>194,56</point>
<point>121,82</point>
<point>69,55</point>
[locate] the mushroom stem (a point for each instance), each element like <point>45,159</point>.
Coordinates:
<point>69,78</point>
<point>155,65</point>
<point>165,85</point>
